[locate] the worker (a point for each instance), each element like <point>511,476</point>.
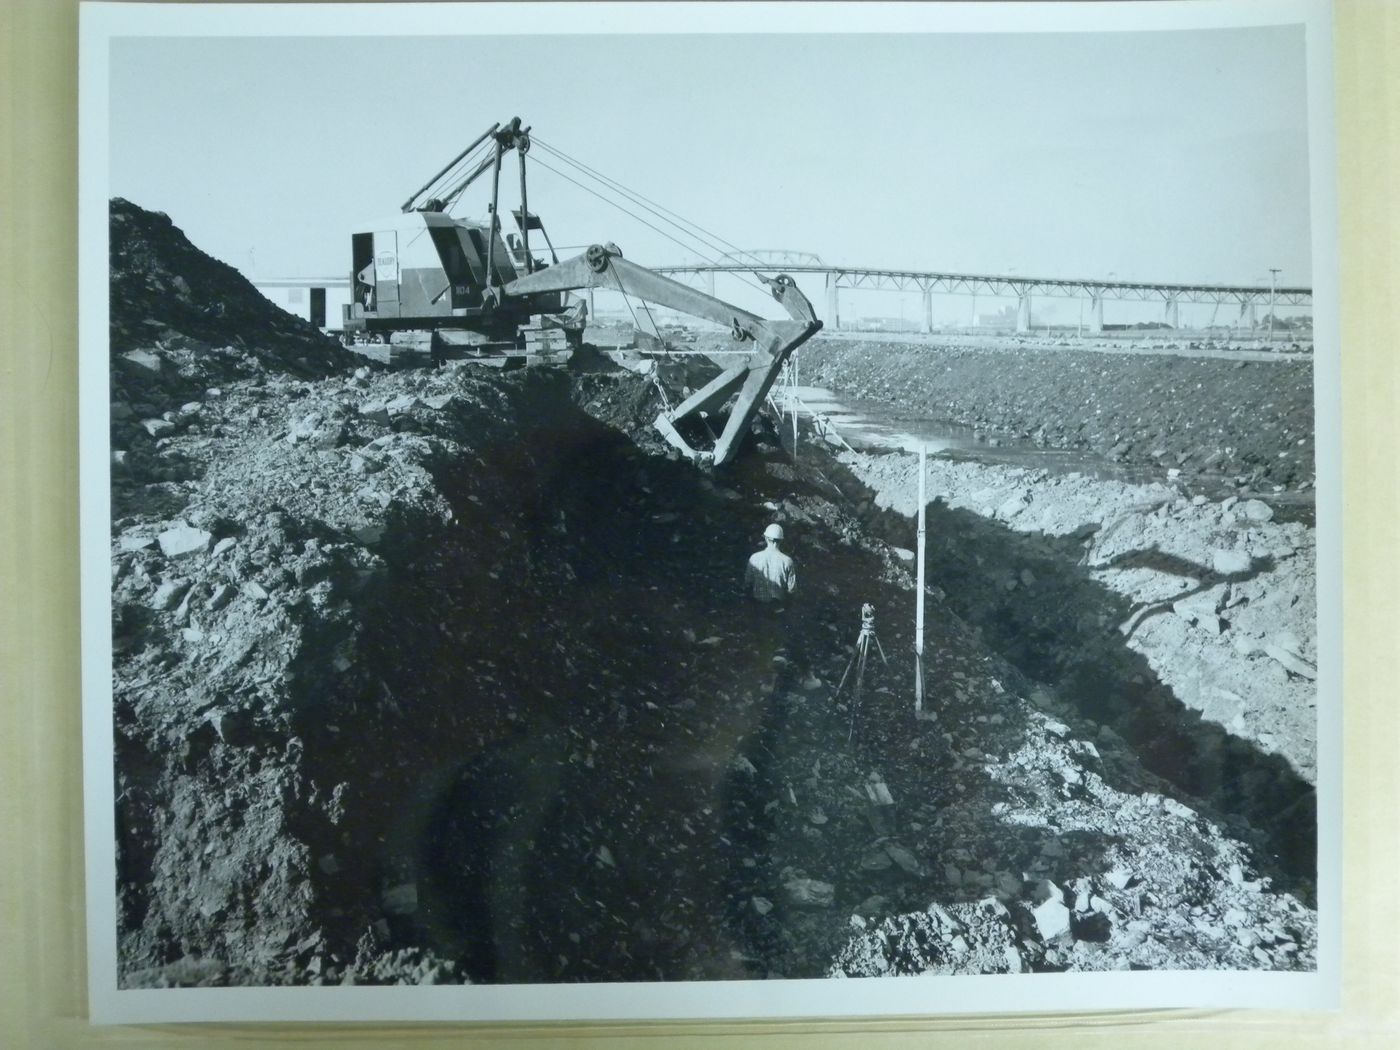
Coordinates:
<point>437,349</point>
<point>770,577</point>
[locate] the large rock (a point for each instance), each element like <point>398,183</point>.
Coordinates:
<point>1013,505</point>
<point>1230,563</point>
<point>184,541</point>
<point>810,893</point>
<point>168,594</point>
<point>401,899</point>
<point>904,858</point>
<point>143,361</point>
<point>135,541</point>
<point>1046,890</point>
<point>1203,609</point>
<point>1284,649</point>
<point>375,411</point>
<point>1052,919</point>
<point>1257,510</point>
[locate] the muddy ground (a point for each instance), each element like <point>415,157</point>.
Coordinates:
<point>1248,421</point>
<point>429,676</point>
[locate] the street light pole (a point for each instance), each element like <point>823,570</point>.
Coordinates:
<point>1273,287</point>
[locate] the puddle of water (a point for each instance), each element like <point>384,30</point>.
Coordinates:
<point>874,425</point>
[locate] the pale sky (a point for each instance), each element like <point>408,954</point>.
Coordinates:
<point>1167,156</point>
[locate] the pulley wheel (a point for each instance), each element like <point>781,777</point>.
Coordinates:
<point>596,257</point>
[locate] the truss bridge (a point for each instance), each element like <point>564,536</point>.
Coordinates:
<point>1245,298</point>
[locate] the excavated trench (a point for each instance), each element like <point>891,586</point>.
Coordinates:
<point>510,720</point>
<point>574,728</point>
<point>573,757</point>
<point>1065,639</point>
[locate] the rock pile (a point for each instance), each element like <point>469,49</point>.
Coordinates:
<point>1220,598</point>
<point>1124,882</point>
<point>432,676</point>
<point>181,320</point>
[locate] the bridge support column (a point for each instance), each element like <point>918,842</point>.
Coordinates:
<point>833,303</point>
<point>710,282</point>
<point>1172,313</point>
<point>1023,312</point>
<point>928,311</point>
<point>1096,314</point>
<point>592,313</point>
<point>1247,314</point>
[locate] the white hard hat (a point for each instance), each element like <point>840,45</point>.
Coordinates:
<point>773,532</point>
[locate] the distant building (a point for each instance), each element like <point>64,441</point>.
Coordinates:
<point>315,299</point>
<point>884,324</point>
<point>1002,318</point>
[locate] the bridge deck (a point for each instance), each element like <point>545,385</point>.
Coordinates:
<point>1018,286</point>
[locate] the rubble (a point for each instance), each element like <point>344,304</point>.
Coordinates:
<point>435,718</point>
<point>1231,583</point>
<point>183,541</point>
<point>812,893</point>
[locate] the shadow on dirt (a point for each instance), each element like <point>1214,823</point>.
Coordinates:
<point>1203,579</point>
<point>1062,633</point>
<point>573,756</point>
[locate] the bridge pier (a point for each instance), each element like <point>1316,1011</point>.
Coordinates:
<point>710,282</point>
<point>1096,314</point>
<point>1172,313</point>
<point>1247,311</point>
<point>1023,312</point>
<point>928,311</point>
<point>833,303</point>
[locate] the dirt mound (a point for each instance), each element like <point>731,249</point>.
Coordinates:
<point>430,676</point>
<point>442,676</point>
<point>1247,419</point>
<point>183,325</point>
<point>168,296</point>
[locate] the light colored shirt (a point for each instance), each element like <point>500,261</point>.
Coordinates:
<point>770,576</point>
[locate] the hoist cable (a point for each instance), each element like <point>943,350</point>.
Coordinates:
<point>639,197</point>
<point>638,218</point>
<point>662,213</point>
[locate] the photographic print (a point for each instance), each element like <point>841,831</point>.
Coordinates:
<point>666,511</point>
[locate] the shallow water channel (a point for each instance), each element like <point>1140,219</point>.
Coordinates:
<point>869,425</point>
<point>1053,639</point>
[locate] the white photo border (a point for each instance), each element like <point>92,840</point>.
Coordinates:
<point>101,23</point>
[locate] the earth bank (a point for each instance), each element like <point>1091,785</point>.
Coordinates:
<point>443,676</point>
<point>1245,420</point>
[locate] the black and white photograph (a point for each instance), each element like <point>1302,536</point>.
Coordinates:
<point>708,510</point>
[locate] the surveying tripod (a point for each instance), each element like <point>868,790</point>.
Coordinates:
<point>858,661</point>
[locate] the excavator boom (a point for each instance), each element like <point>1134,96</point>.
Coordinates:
<point>751,378</point>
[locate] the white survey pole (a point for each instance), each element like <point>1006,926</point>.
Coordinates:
<point>919,597</point>
<point>793,394</point>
